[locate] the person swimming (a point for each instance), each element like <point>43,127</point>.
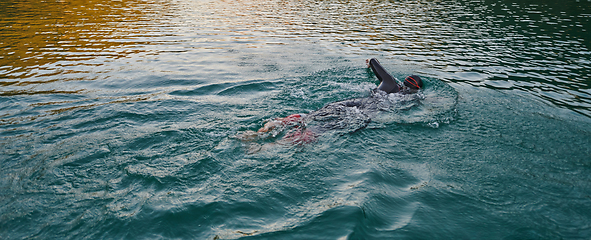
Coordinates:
<point>388,84</point>
<point>351,114</point>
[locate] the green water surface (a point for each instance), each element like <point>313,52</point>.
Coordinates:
<point>119,120</point>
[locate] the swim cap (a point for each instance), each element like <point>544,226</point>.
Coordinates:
<point>413,82</point>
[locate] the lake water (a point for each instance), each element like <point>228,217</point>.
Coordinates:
<point>120,120</point>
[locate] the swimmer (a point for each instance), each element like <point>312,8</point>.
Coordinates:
<point>412,83</point>
<point>352,114</point>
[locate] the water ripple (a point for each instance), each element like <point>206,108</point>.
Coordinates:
<point>117,119</point>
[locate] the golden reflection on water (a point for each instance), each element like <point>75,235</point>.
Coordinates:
<point>47,45</point>
<point>39,38</point>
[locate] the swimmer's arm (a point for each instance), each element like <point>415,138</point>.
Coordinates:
<point>378,70</point>
<point>387,82</point>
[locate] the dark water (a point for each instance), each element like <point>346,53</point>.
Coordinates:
<point>118,120</point>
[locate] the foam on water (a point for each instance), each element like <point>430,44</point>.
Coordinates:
<point>118,119</point>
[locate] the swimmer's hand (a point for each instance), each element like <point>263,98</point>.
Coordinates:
<point>367,63</point>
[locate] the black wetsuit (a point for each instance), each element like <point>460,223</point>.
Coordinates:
<point>349,115</point>
<point>387,82</point>
<point>354,114</point>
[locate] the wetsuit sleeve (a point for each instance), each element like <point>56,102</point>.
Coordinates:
<point>387,82</point>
